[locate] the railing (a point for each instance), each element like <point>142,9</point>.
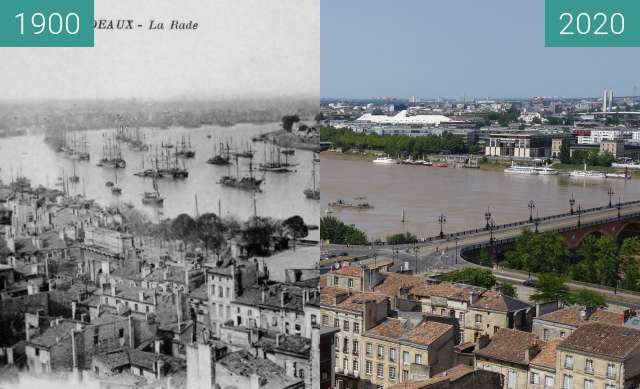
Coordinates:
<point>452,236</point>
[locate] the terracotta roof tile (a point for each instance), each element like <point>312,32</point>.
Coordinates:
<point>424,333</point>
<point>547,356</point>
<point>445,289</point>
<point>510,345</point>
<point>603,339</point>
<point>394,282</point>
<point>451,374</point>
<point>345,299</point>
<point>350,271</point>
<point>496,301</point>
<point>572,316</point>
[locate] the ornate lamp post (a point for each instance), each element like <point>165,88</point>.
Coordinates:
<point>442,220</point>
<point>579,212</point>
<point>537,221</point>
<point>572,202</point>
<point>487,217</point>
<point>610,193</point>
<point>531,206</point>
<point>492,226</point>
<point>456,240</point>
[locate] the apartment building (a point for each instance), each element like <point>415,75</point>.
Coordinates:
<point>492,310</point>
<point>562,323</point>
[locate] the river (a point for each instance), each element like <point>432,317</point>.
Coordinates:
<point>462,195</point>
<point>281,197</point>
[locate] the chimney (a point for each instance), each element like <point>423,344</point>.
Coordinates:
<point>531,352</point>
<point>473,297</point>
<point>278,337</point>
<point>482,342</point>
<point>141,296</point>
<point>283,297</point>
<point>586,312</point>
<point>73,309</point>
<point>264,295</point>
<point>156,346</point>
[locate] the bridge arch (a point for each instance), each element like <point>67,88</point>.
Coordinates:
<point>628,230</point>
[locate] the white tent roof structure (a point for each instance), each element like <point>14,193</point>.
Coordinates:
<point>402,118</point>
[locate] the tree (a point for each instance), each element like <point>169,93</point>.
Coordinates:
<point>599,262</point>
<point>401,238</point>
<point>586,297</point>
<point>288,122</point>
<point>210,230</point>
<point>473,276</point>
<point>335,231</point>
<point>539,252</point>
<point>257,233</point>
<point>550,287</point>
<point>509,290</point>
<point>565,151</point>
<point>630,263</point>
<point>296,226</point>
<point>183,228</point>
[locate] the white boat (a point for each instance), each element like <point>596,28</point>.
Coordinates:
<point>624,176</point>
<point>515,169</point>
<point>385,161</point>
<point>587,173</point>
<point>546,170</point>
<point>630,165</point>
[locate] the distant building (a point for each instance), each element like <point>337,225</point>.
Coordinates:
<point>519,145</point>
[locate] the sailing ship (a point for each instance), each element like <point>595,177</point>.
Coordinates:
<point>115,189</point>
<point>247,152</point>
<point>153,198</point>
<point>74,178</point>
<point>184,149</point>
<point>245,182</point>
<point>222,155</point>
<point>112,155</point>
<point>275,164</point>
<point>313,192</point>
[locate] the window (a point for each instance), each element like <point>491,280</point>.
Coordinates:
<point>356,328</point>
<point>325,320</point>
<point>335,280</point>
<point>549,381</point>
<point>562,334</point>
<point>418,359</point>
<point>405,357</point>
<point>478,318</point>
<point>405,375</point>
<point>609,386</point>
<point>392,373</point>
<point>350,282</point>
<point>121,333</point>
<point>314,320</point>
<point>588,384</point>
<point>345,364</point>
<point>356,347</point>
<point>512,380</point>
<point>96,336</point>
<point>345,345</point>
<point>588,366</point>
<point>545,334</point>
<point>380,370</point>
<point>568,362</point>
<point>611,371</point>
<point>368,366</point>
<point>534,378</point>
<point>345,325</point>
<point>336,323</point>
<point>37,352</point>
<point>369,349</point>
<point>380,351</point>
<point>355,365</point>
<point>301,373</point>
<point>392,354</point>
<point>461,317</point>
<point>568,382</point>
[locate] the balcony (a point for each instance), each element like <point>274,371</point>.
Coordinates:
<point>356,374</point>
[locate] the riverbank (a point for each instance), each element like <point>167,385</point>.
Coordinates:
<point>291,140</point>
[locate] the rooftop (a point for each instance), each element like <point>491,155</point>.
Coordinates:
<point>573,316</point>
<point>547,356</point>
<point>603,339</point>
<point>510,345</point>
<point>492,300</point>
<point>402,330</point>
<point>451,374</point>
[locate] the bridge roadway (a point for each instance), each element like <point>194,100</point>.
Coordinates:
<point>435,254</point>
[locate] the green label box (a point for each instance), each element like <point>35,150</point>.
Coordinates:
<point>592,23</point>
<point>46,23</point>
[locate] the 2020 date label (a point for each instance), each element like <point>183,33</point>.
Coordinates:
<point>592,23</point>
<point>46,23</point>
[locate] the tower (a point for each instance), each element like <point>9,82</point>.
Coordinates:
<point>610,100</point>
<point>604,101</point>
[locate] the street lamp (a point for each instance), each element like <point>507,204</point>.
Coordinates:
<point>572,202</point>
<point>442,220</point>
<point>487,217</point>
<point>492,226</point>
<point>610,193</point>
<point>456,240</point>
<point>531,206</point>
<point>579,212</point>
<point>537,221</point>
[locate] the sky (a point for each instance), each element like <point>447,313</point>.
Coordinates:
<point>251,48</point>
<point>456,48</point>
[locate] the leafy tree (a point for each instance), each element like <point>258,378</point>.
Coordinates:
<point>402,238</point>
<point>630,263</point>
<point>210,230</point>
<point>485,258</point>
<point>183,227</point>
<point>599,262</point>
<point>257,233</point>
<point>550,287</point>
<point>472,276</point>
<point>296,227</point>
<point>587,297</point>
<point>539,252</point>
<point>509,290</point>
<point>288,121</point>
<point>335,231</point>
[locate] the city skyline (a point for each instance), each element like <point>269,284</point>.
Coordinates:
<point>503,56</point>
